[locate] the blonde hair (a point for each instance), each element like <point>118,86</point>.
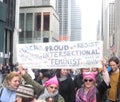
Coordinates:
<point>11,75</point>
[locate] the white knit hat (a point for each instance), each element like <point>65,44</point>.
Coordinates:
<point>26,91</point>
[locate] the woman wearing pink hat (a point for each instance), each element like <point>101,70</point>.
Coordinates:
<point>89,92</point>
<point>47,92</point>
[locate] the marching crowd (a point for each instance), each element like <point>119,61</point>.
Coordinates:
<point>61,85</point>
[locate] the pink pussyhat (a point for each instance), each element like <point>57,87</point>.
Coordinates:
<point>91,75</point>
<point>53,80</point>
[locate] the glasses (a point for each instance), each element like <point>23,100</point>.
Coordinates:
<point>52,87</point>
<point>86,80</point>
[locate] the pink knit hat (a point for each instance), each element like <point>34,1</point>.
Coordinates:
<point>53,80</point>
<point>91,75</point>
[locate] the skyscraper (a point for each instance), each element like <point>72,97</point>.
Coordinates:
<point>70,20</point>
<point>75,21</point>
<point>63,8</point>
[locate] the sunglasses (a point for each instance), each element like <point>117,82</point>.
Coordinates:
<point>52,87</point>
<point>86,80</point>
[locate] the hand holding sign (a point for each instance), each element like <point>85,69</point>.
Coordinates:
<point>21,69</point>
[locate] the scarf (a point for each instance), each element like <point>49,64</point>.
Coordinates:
<point>46,95</point>
<point>62,78</point>
<point>89,97</point>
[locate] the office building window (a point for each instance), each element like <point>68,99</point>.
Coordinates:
<point>46,21</point>
<point>45,39</point>
<point>29,24</point>
<point>37,34</point>
<point>38,21</point>
<point>21,25</point>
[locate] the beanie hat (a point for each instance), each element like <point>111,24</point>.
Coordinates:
<point>91,75</point>
<point>26,91</point>
<point>52,80</point>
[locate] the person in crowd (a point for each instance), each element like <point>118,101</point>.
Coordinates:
<point>38,75</point>
<point>99,78</point>
<point>8,67</point>
<point>46,76</point>
<point>39,101</point>
<point>113,93</point>
<point>78,81</point>
<point>1,68</point>
<point>24,93</point>
<point>72,73</point>
<point>10,85</point>
<point>109,68</point>
<point>66,85</point>
<point>51,89</point>
<point>47,92</point>
<point>42,77</point>
<point>89,92</point>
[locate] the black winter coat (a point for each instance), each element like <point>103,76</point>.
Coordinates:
<point>67,89</point>
<point>101,89</point>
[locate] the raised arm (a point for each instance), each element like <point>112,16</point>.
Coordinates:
<point>37,87</point>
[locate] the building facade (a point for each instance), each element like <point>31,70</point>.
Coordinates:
<point>38,24</point>
<point>3,9</point>
<point>8,14</point>
<point>108,15</point>
<point>117,28</point>
<point>112,27</point>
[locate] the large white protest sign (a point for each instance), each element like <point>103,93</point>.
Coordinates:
<point>61,55</point>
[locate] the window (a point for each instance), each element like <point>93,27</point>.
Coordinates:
<point>38,21</point>
<point>29,20</point>
<point>45,39</point>
<point>37,33</point>
<point>46,22</point>
<point>21,25</point>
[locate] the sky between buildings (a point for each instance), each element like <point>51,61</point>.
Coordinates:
<point>91,13</point>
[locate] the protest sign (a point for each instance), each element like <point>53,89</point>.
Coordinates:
<point>56,55</point>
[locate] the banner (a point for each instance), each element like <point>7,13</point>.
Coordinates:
<point>56,55</point>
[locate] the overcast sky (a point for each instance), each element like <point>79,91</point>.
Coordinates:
<point>91,13</point>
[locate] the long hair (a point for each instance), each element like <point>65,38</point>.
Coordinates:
<point>58,73</point>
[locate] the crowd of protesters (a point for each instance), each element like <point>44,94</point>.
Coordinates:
<point>6,69</point>
<point>61,85</point>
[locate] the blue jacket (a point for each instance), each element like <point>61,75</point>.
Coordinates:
<point>8,95</point>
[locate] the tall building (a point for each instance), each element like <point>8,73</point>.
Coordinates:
<point>108,27</point>
<point>75,21</point>
<point>105,27</point>
<point>63,8</point>
<point>70,20</point>
<point>3,8</point>
<point>7,14</point>
<point>112,26</point>
<point>37,3</point>
<point>38,24</point>
<point>117,28</point>
<point>36,21</point>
